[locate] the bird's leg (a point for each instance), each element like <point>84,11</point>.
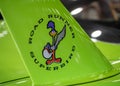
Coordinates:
<point>54,59</point>
<point>57,60</point>
<point>53,55</point>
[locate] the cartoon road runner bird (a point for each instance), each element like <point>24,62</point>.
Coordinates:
<point>49,50</point>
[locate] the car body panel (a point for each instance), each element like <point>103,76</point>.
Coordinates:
<point>109,72</point>
<point>11,65</point>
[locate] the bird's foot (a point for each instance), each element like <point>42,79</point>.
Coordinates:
<point>57,60</point>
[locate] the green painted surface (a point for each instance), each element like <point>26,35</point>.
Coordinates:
<point>110,81</point>
<point>110,50</point>
<point>11,65</point>
<point>18,82</point>
<point>81,60</point>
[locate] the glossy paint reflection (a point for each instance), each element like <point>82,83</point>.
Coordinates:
<point>12,67</point>
<point>3,31</point>
<point>108,26</point>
